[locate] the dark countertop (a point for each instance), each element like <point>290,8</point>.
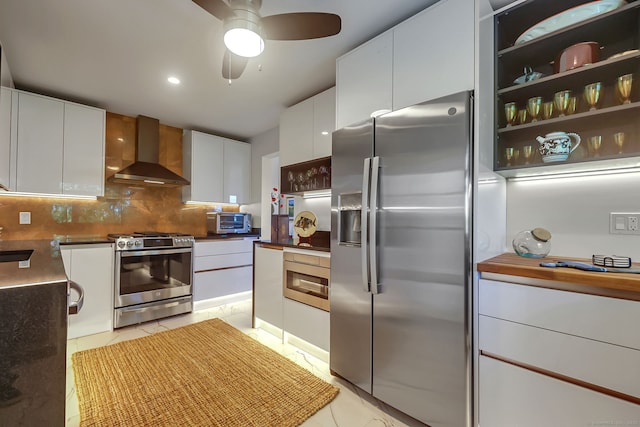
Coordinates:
<point>45,264</point>
<point>528,271</point>
<point>290,244</point>
<point>227,236</point>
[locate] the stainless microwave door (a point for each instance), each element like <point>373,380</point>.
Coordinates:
<point>350,355</point>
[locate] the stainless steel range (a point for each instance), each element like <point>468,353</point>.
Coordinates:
<point>153,276</point>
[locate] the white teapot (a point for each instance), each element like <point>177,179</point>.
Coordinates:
<point>556,146</point>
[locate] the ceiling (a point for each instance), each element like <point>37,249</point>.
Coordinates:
<point>118,54</point>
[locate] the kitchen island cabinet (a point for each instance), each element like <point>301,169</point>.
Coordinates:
<point>267,284</point>
<point>92,267</point>
<point>543,340</point>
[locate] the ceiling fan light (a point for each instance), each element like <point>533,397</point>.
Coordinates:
<point>244,42</point>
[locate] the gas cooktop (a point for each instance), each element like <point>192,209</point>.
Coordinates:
<point>141,240</point>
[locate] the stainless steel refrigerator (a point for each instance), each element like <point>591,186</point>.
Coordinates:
<point>401,259</point>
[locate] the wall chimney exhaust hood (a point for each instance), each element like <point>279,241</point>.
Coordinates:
<point>147,170</point>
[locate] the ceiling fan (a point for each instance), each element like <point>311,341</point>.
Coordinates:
<point>245,30</point>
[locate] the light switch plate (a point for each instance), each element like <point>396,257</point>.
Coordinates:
<point>25,217</point>
<point>624,223</point>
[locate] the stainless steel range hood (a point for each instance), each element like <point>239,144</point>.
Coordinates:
<point>147,170</point>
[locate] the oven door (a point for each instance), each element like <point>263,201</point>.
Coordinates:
<point>232,223</point>
<point>308,284</point>
<point>152,275</point>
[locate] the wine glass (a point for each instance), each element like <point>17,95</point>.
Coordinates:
<point>522,116</point>
<point>623,86</point>
<point>571,108</point>
<point>595,142</point>
<point>561,101</point>
<point>618,140</point>
<point>508,155</point>
<point>527,153</point>
<point>510,112</point>
<point>547,110</point>
<point>533,107</point>
<point>592,93</point>
<point>291,179</point>
<point>324,171</point>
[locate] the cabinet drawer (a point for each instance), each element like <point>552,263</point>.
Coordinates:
<point>306,322</point>
<point>213,262</point>
<point>219,283</point>
<point>222,247</point>
<point>588,316</point>
<point>513,396</point>
<point>610,366</point>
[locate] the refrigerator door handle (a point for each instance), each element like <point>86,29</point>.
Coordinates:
<point>373,233</point>
<point>364,220</point>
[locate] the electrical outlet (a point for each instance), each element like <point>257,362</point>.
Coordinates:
<point>25,217</point>
<point>624,223</point>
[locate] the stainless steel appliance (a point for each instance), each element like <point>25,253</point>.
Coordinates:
<point>400,277</point>
<point>306,279</point>
<point>153,276</point>
<point>228,222</point>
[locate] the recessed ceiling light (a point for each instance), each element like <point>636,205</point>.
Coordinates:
<point>174,80</point>
<point>324,132</point>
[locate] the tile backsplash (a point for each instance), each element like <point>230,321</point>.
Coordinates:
<point>123,208</point>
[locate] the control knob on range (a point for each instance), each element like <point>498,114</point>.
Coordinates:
<point>121,244</point>
<point>138,242</point>
<point>129,243</point>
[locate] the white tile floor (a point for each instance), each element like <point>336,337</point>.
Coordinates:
<point>351,408</point>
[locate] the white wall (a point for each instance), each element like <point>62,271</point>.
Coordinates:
<point>265,144</point>
<point>321,208</point>
<point>576,212</point>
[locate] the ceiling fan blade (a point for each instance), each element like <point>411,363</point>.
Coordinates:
<point>217,8</point>
<point>300,26</point>
<point>233,65</point>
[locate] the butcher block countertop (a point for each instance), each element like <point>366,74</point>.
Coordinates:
<point>517,269</point>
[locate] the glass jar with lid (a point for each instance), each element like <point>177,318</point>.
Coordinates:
<point>532,243</point>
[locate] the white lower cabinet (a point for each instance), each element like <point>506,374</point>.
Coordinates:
<point>306,322</point>
<point>222,268</point>
<point>511,396</point>
<point>91,266</point>
<point>556,358</point>
<point>267,286</point>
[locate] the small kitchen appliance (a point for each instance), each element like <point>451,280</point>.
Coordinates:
<point>228,222</point>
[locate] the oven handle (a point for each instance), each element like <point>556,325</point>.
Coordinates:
<point>76,306</point>
<point>155,252</point>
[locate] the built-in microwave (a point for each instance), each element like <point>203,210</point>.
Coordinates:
<point>228,222</point>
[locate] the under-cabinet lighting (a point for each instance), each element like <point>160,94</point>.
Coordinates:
<point>575,174</point>
<point>316,194</point>
<point>152,181</point>
<point>487,181</point>
<point>195,202</point>
<point>46,196</point>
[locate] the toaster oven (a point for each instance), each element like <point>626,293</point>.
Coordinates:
<point>228,222</point>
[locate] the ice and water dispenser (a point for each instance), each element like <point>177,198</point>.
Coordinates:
<point>349,227</point>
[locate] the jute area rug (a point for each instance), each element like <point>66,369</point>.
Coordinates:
<point>204,374</point>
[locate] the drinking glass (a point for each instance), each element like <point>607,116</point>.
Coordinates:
<point>595,142</point>
<point>592,93</point>
<point>623,86</point>
<point>533,107</point>
<point>547,110</point>
<point>561,101</point>
<point>510,112</point>
<point>508,155</point>
<point>571,108</point>
<point>522,116</point>
<point>618,140</point>
<point>527,153</point>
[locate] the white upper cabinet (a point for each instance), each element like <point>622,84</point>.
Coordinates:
<point>433,53</point>
<point>324,122</point>
<point>203,166</point>
<point>425,57</point>
<point>50,146</point>
<point>296,133</point>
<point>218,168</point>
<point>306,127</point>
<point>237,172</point>
<point>7,145</point>
<point>40,144</point>
<point>363,80</point>
<point>84,134</point>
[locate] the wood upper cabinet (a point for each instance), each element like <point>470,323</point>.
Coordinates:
<point>203,160</point>
<point>301,128</point>
<point>433,53</point>
<point>53,146</point>
<point>364,80</point>
<point>217,168</point>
